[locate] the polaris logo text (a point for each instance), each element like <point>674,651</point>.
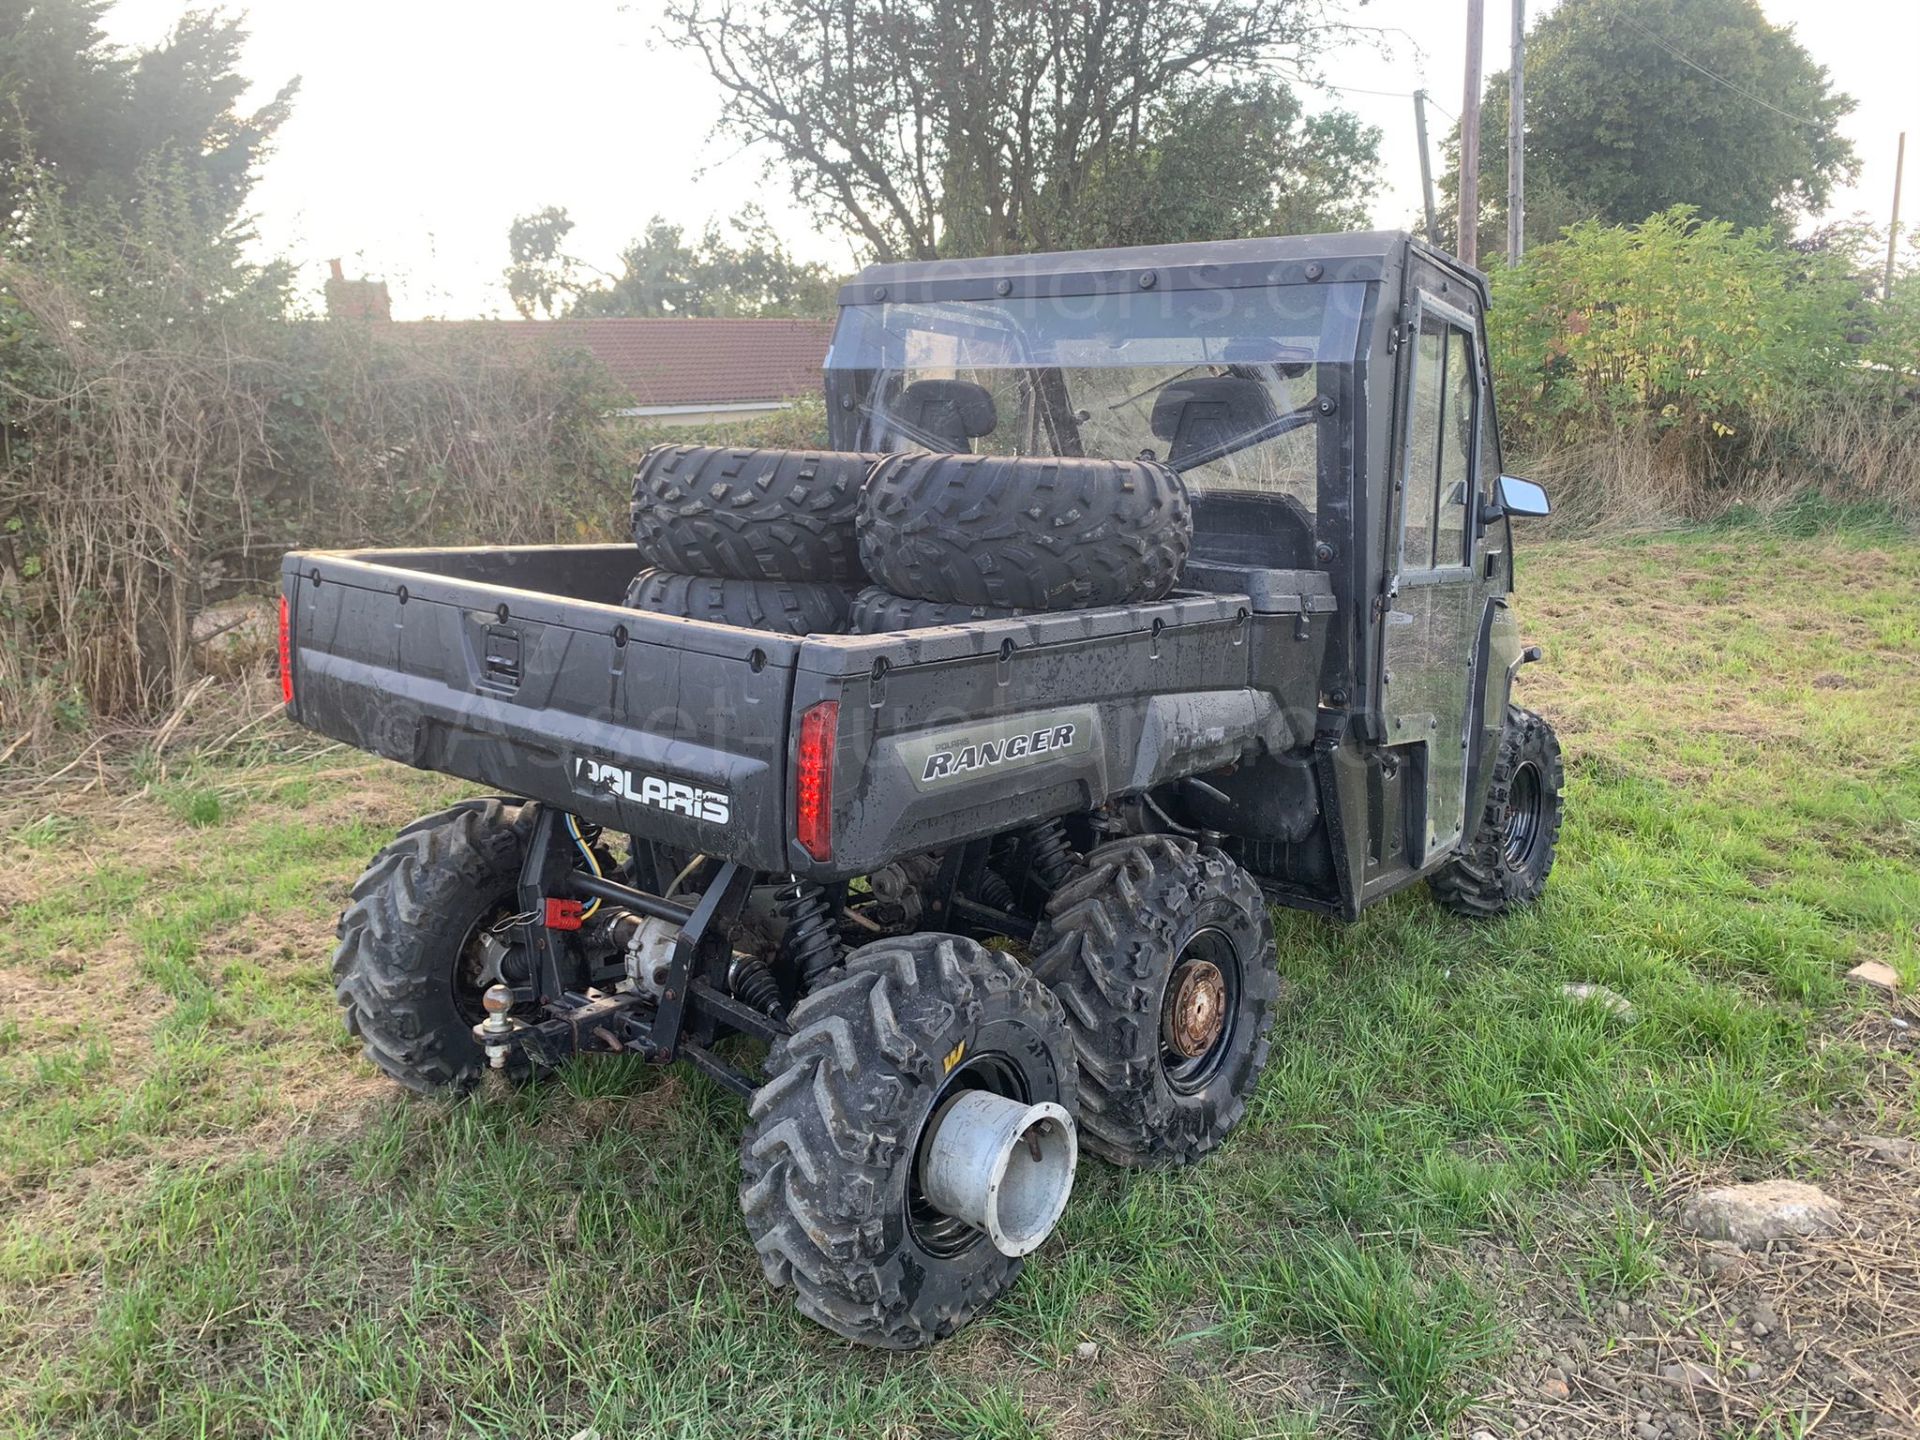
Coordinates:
<point>945,764</point>
<point>672,796</point>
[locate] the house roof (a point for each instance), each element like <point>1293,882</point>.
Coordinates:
<point>687,361</point>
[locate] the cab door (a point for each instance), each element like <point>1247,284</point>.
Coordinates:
<point>1433,611</point>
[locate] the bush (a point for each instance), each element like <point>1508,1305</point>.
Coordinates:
<point>1673,367</point>
<point>801,426</point>
<point>170,432</point>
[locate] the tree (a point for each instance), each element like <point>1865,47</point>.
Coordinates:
<point>930,127</point>
<point>1228,161</point>
<point>1624,121</point>
<point>662,274</point>
<point>541,278</point>
<point>99,123</point>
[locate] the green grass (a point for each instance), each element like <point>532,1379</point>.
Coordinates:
<point>220,1224</point>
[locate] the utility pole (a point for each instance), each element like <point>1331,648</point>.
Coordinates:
<point>1469,238</point>
<point>1426,168</point>
<point>1893,230</point>
<point>1517,138</point>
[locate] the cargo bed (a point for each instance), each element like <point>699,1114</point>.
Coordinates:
<point>519,668</point>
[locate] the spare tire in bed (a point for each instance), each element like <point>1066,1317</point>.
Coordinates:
<point>793,607</point>
<point>750,514</point>
<point>1024,532</point>
<point>877,612</point>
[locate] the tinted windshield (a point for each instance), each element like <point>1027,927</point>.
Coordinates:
<point>1218,383</point>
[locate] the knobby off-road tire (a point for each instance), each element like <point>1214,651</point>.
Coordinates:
<point>829,1159</point>
<point>407,969</point>
<point>750,514</point>
<point>1508,858</point>
<point>878,612</point>
<point>1029,533</point>
<point>1124,946</point>
<point>792,607</point>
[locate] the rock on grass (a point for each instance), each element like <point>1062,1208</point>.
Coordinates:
<point>1875,975</point>
<point>1751,1215</point>
<point>1609,1000</point>
<point>1689,1373</point>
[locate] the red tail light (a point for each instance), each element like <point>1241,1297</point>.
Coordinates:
<point>286,652</point>
<point>813,787</point>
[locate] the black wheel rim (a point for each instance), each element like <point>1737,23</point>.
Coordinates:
<point>1526,804</point>
<point>936,1233</point>
<point>1199,1011</point>
<point>472,973</point>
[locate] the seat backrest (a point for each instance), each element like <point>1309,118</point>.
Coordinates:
<point>1200,413</point>
<point>939,415</point>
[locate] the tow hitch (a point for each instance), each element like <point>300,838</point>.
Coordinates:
<point>679,961</point>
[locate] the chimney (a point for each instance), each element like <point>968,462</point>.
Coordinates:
<point>356,299</point>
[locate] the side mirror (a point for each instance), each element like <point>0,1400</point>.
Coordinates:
<point>1522,497</point>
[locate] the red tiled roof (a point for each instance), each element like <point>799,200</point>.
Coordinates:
<point>688,361</point>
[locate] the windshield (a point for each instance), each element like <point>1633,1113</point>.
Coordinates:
<point>1220,384</point>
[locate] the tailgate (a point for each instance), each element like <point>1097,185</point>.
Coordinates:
<point>511,668</point>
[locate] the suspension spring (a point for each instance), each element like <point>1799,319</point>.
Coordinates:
<point>1050,857</point>
<point>753,984</point>
<point>810,943</point>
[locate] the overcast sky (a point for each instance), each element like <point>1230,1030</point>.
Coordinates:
<point>424,126</point>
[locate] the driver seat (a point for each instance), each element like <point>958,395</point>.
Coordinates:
<point>1203,412</point>
<point>940,415</point>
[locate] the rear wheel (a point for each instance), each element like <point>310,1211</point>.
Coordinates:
<point>1162,957</point>
<point>835,1156</point>
<point>1507,861</point>
<point>418,944</point>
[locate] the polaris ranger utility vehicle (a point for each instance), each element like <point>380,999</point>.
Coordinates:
<point>1198,562</point>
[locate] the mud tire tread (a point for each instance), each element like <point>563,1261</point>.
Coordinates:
<point>742,514</point>
<point>788,607</point>
<point>405,920</point>
<point>880,612</point>
<point>1024,532</point>
<point>1107,946</point>
<point>1477,882</point>
<point>830,1135</point>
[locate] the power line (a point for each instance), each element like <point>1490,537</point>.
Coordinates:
<point>1383,94</point>
<point>1357,90</point>
<point>1740,90</point>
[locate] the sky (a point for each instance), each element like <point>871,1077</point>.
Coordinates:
<point>422,127</point>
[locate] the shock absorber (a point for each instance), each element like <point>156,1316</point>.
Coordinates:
<point>809,943</point>
<point>1049,856</point>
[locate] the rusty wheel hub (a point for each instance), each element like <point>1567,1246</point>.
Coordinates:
<point>1196,1008</point>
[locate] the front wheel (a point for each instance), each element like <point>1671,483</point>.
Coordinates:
<point>1507,861</point>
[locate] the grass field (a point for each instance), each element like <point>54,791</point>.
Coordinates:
<point>1450,1206</point>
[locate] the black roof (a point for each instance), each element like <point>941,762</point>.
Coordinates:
<point>1209,264</point>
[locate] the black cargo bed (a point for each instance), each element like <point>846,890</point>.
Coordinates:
<point>518,668</point>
